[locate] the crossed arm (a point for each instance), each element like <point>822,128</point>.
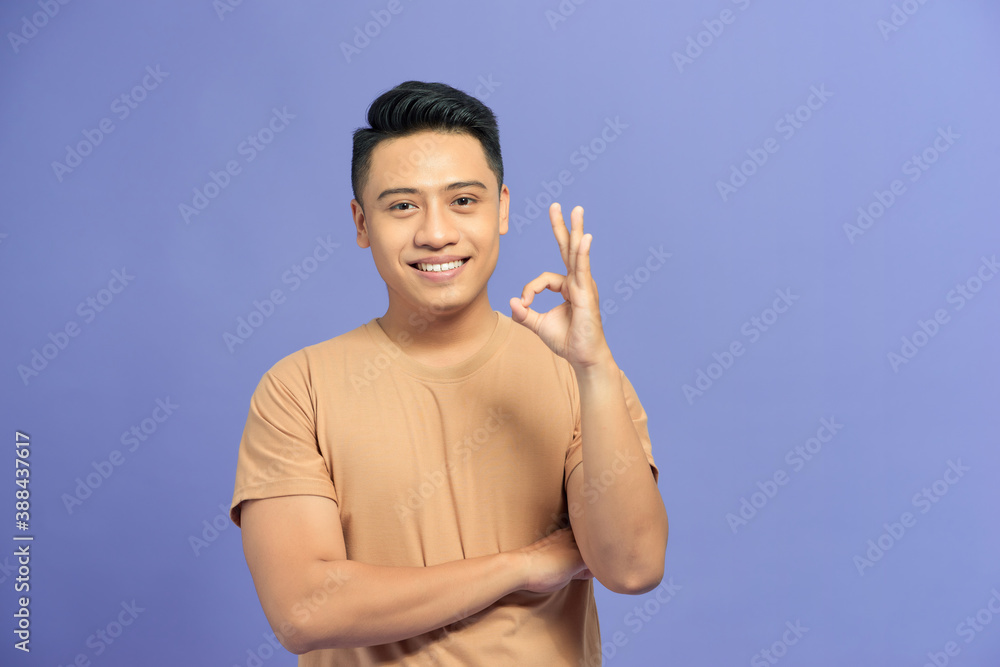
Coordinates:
<point>314,597</point>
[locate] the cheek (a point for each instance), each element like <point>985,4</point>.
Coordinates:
<point>492,243</point>
<point>386,249</point>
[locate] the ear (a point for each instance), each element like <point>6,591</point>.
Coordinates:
<point>360,223</point>
<point>504,208</point>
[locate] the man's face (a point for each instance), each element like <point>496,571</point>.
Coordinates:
<point>433,218</point>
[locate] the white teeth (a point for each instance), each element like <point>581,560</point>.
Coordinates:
<point>441,267</point>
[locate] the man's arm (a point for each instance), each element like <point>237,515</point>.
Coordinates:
<point>315,598</point>
<point>622,532</point>
<point>621,526</point>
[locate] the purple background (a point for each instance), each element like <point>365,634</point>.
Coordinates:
<point>553,85</point>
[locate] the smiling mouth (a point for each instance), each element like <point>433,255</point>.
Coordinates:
<point>433,268</point>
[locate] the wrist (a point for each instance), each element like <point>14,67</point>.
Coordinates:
<point>599,371</point>
<point>514,570</point>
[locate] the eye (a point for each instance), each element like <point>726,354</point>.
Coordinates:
<point>469,201</point>
<point>395,207</point>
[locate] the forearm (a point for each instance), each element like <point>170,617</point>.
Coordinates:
<point>365,605</point>
<point>625,521</point>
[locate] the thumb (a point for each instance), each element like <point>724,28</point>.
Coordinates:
<point>524,316</point>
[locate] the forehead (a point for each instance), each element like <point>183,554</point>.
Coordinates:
<point>427,157</point>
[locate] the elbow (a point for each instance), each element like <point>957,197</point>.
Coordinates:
<point>295,647</point>
<point>292,632</point>
<point>297,631</point>
<point>309,621</point>
<point>298,637</point>
<point>637,581</point>
<point>644,571</point>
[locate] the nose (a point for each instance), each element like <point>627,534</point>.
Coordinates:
<point>436,228</point>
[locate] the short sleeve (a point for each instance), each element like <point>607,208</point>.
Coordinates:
<point>574,453</point>
<point>279,454</point>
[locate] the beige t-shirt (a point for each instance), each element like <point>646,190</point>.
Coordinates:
<point>430,465</point>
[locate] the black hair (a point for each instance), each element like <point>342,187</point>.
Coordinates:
<point>414,106</point>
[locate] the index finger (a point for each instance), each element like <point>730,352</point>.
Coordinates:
<point>582,274</point>
<point>560,231</point>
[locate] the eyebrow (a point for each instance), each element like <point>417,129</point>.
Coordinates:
<point>458,185</point>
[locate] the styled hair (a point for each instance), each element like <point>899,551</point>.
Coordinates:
<point>414,106</point>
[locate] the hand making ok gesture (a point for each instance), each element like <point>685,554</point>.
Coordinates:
<point>573,328</point>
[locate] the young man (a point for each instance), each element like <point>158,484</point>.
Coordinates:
<point>440,485</point>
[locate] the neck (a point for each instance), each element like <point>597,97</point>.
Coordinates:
<point>423,333</point>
